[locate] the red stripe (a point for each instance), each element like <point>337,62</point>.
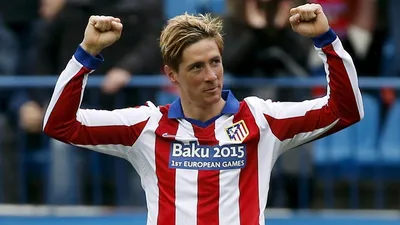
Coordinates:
<point>62,123</point>
<point>342,104</point>
<point>288,127</point>
<point>122,135</point>
<point>165,175</point>
<point>248,180</point>
<point>63,115</point>
<point>208,182</point>
<point>342,98</point>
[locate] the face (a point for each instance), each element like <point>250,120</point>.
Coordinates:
<point>200,75</point>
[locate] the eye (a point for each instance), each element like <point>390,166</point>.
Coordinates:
<point>196,66</point>
<point>216,61</point>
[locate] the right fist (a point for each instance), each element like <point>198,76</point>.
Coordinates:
<point>101,32</point>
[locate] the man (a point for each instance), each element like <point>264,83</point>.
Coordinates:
<point>206,158</point>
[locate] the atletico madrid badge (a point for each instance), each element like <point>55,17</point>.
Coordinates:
<point>238,131</point>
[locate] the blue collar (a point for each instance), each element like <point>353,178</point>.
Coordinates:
<point>231,106</point>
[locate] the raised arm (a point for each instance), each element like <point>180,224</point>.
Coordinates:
<point>110,132</point>
<point>294,123</point>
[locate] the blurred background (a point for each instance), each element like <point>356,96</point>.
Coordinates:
<point>352,177</point>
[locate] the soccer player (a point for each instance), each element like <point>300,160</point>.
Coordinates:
<point>206,158</point>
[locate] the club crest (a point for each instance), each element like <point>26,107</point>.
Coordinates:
<point>238,131</point>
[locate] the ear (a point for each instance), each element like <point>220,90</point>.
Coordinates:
<point>172,75</point>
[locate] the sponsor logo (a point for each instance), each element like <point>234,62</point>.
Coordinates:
<point>168,135</point>
<point>204,157</point>
<point>237,132</point>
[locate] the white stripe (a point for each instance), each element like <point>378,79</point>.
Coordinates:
<point>287,110</point>
<point>142,157</point>
<point>72,68</point>
<point>303,138</point>
<point>95,118</point>
<point>126,116</point>
<point>242,131</point>
<point>237,135</point>
<point>123,117</point>
<point>269,149</point>
<point>265,155</point>
<point>283,110</point>
<point>241,138</point>
<point>229,180</point>
<point>324,59</point>
<point>186,183</point>
<point>265,150</point>
<point>114,150</point>
<point>351,71</point>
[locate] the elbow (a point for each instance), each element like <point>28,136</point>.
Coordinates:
<point>57,132</point>
<point>351,114</point>
<point>49,127</point>
<point>351,122</point>
<point>50,131</point>
<point>45,128</point>
<point>357,117</point>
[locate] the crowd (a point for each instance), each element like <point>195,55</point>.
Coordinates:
<point>38,37</point>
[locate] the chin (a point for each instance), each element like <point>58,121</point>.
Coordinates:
<point>213,98</point>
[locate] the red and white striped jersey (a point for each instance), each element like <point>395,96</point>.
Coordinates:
<point>216,173</point>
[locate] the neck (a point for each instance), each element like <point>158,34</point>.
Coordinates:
<point>202,112</point>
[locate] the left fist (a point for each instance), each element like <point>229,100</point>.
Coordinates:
<point>309,20</point>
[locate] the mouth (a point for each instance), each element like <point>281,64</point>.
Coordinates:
<point>211,89</point>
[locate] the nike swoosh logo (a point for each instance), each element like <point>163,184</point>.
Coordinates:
<point>168,135</point>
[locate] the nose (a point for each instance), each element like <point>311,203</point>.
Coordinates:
<point>210,74</point>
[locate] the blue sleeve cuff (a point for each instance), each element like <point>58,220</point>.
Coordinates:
<point>324,39</point>
<point>87,60</point>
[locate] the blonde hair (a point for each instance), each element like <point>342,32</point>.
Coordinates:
<point>184,30</point>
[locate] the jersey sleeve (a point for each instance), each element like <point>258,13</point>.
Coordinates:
<point>110,132</point>
<point>296,123</point>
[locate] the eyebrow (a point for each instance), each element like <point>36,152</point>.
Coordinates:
<point>200,63</point>
<point>215,57</point>
<point>190,66</point>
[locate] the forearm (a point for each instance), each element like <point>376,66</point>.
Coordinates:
<point>298,123</point>
<point>60,117</point>
<point>343,92</point>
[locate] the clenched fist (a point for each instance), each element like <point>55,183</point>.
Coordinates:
<point>101,32</point>
<point>309,20</point>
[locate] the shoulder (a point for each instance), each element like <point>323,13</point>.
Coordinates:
<point>259,106</point>
<point>156,111</point>
<point>148,109</point>
<point>254,101</point>
<point>252,104</point>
